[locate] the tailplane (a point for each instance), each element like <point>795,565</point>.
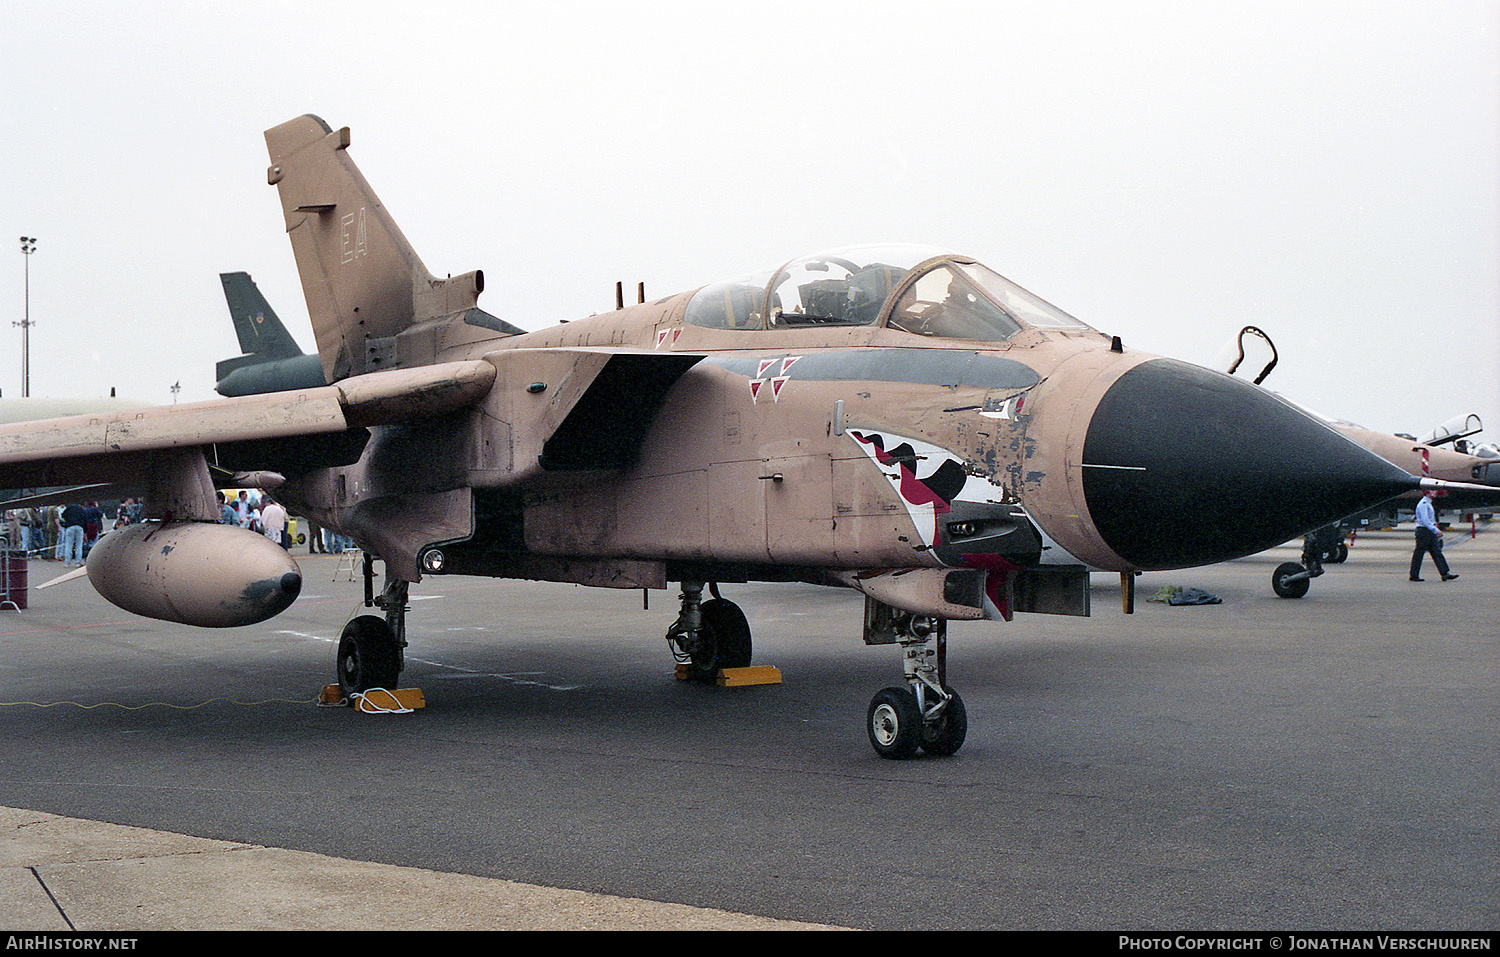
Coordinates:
<point>363,281</point>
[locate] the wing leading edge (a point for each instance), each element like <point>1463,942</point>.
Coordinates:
<point>109,446</point>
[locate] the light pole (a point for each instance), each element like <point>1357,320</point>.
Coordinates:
<point>28,246</point>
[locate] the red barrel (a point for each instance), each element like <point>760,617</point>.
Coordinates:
<point>15,578</point>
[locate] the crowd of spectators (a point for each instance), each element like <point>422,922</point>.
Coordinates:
<point>66,533</point>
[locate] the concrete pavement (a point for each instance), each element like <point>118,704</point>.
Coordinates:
<point>64,874</point>
<point>1323,763</point>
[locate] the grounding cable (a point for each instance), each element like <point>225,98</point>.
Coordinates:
<point>152,704</point>
<point>363,702</point>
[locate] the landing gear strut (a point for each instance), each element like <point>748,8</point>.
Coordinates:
<point>709,635</point>
<point>927,713</point>
<point>371,648</point>
<point>1291,580</point>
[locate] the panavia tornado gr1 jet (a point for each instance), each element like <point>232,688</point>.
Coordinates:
<point>901,421</point>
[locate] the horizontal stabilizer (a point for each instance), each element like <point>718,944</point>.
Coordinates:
<point>251,375</point>
<point>1463,496</point>
<point>73,575</point>
<point>61,496</point>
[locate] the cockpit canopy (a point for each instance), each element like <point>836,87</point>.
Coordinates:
<point>917,289</point>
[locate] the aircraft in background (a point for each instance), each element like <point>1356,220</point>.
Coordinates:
<point>1329,544</point>
<point>898,420</point>
<point>272,360</point>
<point>1423,457</point>
<point>1454,432</point>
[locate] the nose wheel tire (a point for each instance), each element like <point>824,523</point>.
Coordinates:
<point>368,656</point>
<point>897,728</point>
<point>1285,588</point>
<point>945,735</point>
<point>894,723</point>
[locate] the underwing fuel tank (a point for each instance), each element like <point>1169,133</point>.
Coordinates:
<point>194,573</point>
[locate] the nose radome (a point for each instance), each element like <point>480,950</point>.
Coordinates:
<point>1183,466</point>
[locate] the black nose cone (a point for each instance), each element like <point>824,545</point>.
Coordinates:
<point>1183,466</point>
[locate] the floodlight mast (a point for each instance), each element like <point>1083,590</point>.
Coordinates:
<point>28,246</point>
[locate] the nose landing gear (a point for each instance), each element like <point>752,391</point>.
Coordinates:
<point>926,713</point>
<point>1320,546</point>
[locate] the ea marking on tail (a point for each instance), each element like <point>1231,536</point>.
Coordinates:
<point>354,236</point>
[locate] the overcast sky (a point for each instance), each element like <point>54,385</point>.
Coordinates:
<point>1166,171</point>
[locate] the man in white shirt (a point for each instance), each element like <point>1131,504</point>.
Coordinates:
<point>1429,541</point>
<point>273,520</point>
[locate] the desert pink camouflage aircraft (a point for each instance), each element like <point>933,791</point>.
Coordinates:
<point>898,420</point>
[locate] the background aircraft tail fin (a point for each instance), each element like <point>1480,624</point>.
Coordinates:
<point>363,281</point>
<point>272,360</point>
<point>259,330</point>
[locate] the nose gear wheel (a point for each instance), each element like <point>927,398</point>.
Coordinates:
<point>894,723</point>
<point>926,714</point>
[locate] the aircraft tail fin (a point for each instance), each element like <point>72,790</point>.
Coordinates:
<point>363,281</point>
<point>260,332</point>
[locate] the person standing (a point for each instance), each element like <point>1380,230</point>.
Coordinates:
<point>93,524</point>
<point>30,535</point>
<point>273,520</point>
<point>314,537</point>
<point>71,544</point>
<point>1429,541</point>
<point>55,529</point>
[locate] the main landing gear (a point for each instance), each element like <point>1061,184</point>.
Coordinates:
<point>371,648</point>
<point>927,713</point>
<point>709,635</point>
